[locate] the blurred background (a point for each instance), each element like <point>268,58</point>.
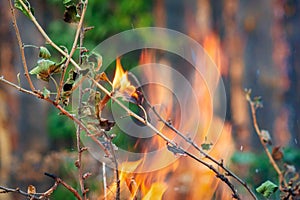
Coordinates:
<point>256,45</point>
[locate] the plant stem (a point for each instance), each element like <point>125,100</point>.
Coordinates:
<point>258,131</point>
<point>47,38</point>
<point>78,33</point>
<point>21,46</point>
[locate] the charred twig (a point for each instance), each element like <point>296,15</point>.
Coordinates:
<point>169,142</point>
<point>21,46</point>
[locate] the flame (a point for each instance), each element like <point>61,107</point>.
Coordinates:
<point>212,46</point>
<point>121,82</point>
<point>181,179</point>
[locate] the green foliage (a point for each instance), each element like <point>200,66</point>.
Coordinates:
<point>44,53</point>
<point>267,188</point>
<point>19,6</point>
<point>45,68</point>
<point>107,18</point>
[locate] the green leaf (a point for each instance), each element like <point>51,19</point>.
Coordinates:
<point>42,66</point>
<point>267,188</point>
<point>71,15</point>
<point>206,146</point>
<point>46,93</point>
<point>45,68</point>
<point>68,2</point>
<point>44,53</point>
<point>19,6</point>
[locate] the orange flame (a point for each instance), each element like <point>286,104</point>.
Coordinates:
<point>181,179</point>
<point>121,82</point>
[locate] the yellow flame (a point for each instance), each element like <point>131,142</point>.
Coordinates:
<point>121,82</point>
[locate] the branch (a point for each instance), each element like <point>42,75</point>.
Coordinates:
<point>47,38</point>
<point>21,46</point>
<point>70,188</point>
<point>78,33</point>
<point>44,195</point>
<point>264,144</point>
<point>118,192</point>
<point>61,109</point>
<point>170,143</point>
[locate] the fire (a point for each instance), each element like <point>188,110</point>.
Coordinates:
<point>121,83</point>
<point>184,178</point>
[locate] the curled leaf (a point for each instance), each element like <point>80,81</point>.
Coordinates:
<point>267,188</point>
<point>31,189</point>
<point>106,124</point>
<point>71,15</point>
<point>45,68</point>
<point>19,6</point>
<point>277,153</point>
<point>44,53</point>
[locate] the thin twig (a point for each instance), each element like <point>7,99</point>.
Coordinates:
<point>264,144</point>
<point>45,35</point>
<point>78,33</point>
<point>61,109</point>
<point>104,180</point>
<point>114,158</point>
<point>169,142</point>
<point>70,188</point>
<point>21,46</point>
<point>78,132</point>
<point>44,195</point>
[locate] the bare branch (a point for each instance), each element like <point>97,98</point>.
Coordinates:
<point>21,46</point>
<point>264,144</point>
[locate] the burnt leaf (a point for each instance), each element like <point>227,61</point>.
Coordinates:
<point>106,124</point>
<point>267,188</point>
<point>68,86</point>
<point>70,81</point>
<point>44,53</point>
<point>277,153</point>
<point>175,149</point>
<point>19,6</point>
<point>71,15</point>
<point>45,68</point>
<point>31,189</point>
